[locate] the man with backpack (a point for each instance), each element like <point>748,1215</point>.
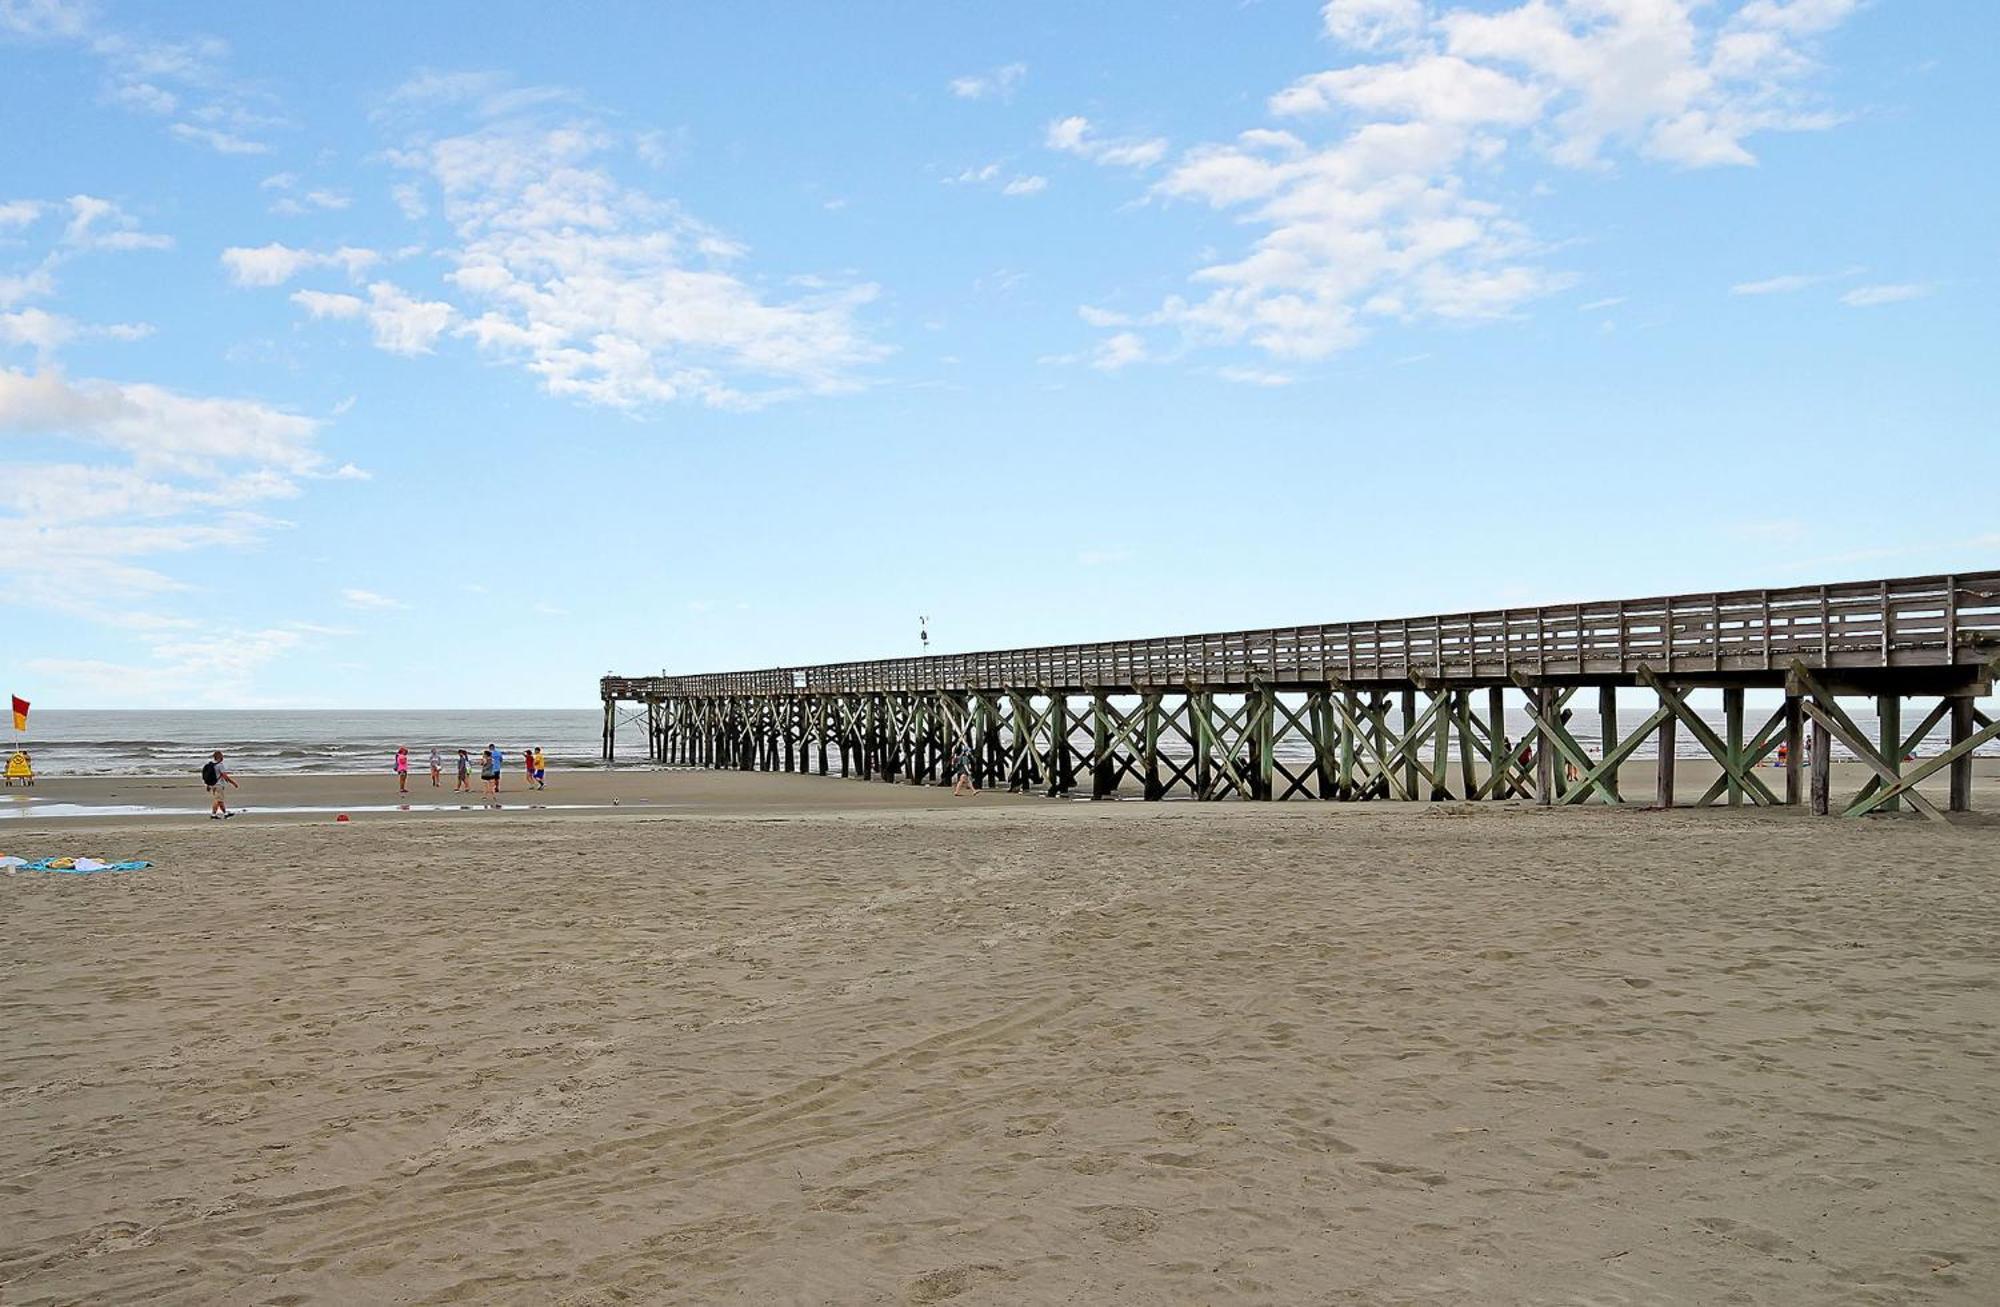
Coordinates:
<point>215,776</point>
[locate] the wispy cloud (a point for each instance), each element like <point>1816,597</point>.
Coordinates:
<point>369,601</point>
<point>1000,83</point>
<point>1076,135</point>
<point>275,264</point>
<point>608,294</point>
<point>1374,190</point>
<point>1790,282</point>
<point>1868,297</point>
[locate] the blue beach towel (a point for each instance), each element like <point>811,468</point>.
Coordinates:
<point>71,866</point>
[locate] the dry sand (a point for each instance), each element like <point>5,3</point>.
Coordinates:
<point>886,1049</point>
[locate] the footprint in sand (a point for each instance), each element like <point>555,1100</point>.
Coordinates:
<point>948,1282</point>
<point>1125,1224</point>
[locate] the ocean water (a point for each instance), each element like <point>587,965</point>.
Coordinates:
<point>113,742</point>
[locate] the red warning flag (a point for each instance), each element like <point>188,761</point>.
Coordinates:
<point>20,713</point>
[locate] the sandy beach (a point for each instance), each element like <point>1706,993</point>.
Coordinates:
<point>791,1040</point>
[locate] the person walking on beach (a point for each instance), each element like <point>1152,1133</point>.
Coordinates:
<point>541,769</point>
<point>402,769</point>
<point>961,764</point>
<point>528,765</point>
<point>215,776</point>
<point>437,769</point>
<point>464,785</point>
<point>491,772</point>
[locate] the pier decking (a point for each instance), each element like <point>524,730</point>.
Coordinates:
<point>1205,714</point>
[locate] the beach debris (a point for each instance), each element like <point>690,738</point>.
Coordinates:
<point>341,817</point>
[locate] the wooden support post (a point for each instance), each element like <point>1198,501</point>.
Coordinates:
<point>1545,752</point>
<point>1103,775</point>
<point>1378,737</point>
<point>1607,731</point>
<point>1149,754</point>
<point>1409,706</point>
<point>1503,750</point>
<point>1822,768</point>
<point>1326,745</point>
<point>1795,719</point>
<point>1468,777</point>
<point>1062,778</point>
<point>1961,766</point>
<point>1889,720</point>
<point>1260,729</point>
<point>1347,721</point>
<point>1440,744</point>
<point>1201,709</point>
<point>1663,796</point>
<point>1732,726</point>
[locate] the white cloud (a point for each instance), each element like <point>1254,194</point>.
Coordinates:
<point>184,78</point>
<point>1075,135</point>
<point>369,601</point>
<point>1868,297</point>
<point>1120,350</point>
<point>1608,302</point>
<point>1783,285</point>
<point>1430,88</point>
<point>276,264</point>
<point>215,667</point>
<point>1672,78</point>
<point>295,202</point>
<point>184,474</point>
<point>1000,82</point>
<point>401,323</point>
<point>46,332</point>
<point>95,225</point>
<point>35,284</point>
<point>323,304</point>
<point>100,224</point>
<point>160,429</point>
<point>220,141</point>
<point>992,174</point>
<point>1373,24</point>
<point>1379,202</point>
<point>1255,376</point>
<point>37,329</point>
<point>409,199</point>
<point>486,95</point>
<point>608,294</point>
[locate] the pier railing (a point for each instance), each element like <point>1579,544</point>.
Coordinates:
<point>1908,622</point>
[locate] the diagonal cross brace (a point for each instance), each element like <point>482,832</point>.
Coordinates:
<point>1702,731</point>
<point>1822,708</point>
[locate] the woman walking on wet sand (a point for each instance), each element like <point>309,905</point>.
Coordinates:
<point>437,769</point>
<point>402,769</point>
<point>464,785</point>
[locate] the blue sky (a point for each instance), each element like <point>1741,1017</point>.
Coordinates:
<point>452,355</point>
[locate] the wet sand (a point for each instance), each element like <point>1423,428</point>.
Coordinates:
<point>293,797</point>
<point>804,1041</point>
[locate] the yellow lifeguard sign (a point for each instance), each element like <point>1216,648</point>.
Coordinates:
<point>20,770</point>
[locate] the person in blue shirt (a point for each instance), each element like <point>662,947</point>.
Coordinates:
<point>491,775</point>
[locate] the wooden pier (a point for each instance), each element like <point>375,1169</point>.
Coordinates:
<point>1409,708</point>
